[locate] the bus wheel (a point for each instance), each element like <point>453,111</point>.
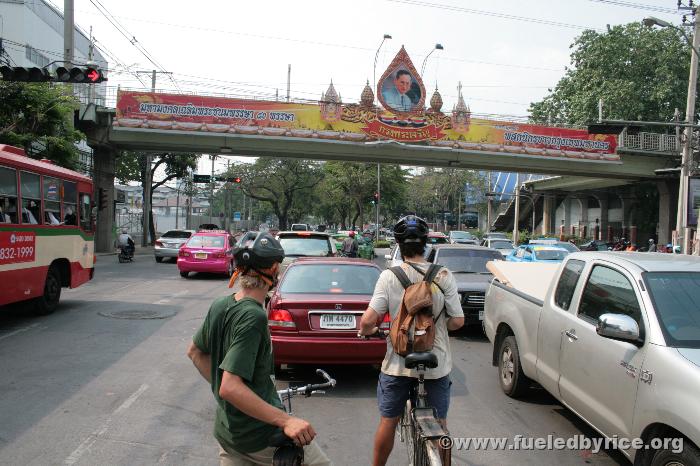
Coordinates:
<point>48,302</point>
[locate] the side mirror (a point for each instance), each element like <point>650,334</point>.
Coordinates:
<point>387,257</point>
<point>618,327</point>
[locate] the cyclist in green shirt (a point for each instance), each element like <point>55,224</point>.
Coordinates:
<point>232,350</point>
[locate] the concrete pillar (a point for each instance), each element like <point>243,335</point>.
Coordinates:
<point>603,220</point>
<point>668,195</point>
<point>584,231</point>
<point>104,160</point>
<point>633,234</point>
<point>609,236</point>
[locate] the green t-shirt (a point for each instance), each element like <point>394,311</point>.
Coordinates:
<point>236,335</point>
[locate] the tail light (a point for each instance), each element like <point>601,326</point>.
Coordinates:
<point>183,253</point>
<point>159,243</point>
<point>220,255</point>
<point>386,322</point>
<point>280,318</point>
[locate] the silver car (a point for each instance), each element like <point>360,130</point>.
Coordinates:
<point>168,245</point>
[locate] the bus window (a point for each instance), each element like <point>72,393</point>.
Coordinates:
<point>52,204</point>
<point>85,212</point>
<point>31,197</point>
<point>8,195</point>
<point>70,200</point>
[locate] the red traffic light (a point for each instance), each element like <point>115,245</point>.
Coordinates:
<point>93,75</point>
<point>237,179</point>
<point>376,196</point>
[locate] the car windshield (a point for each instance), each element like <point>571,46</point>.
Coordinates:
<point>501,245</point>
<point>177,234</point>
<point>497,235</point>
<point>205,241</point>
<point>466,260</point>
<point>437,240</point>
<point>550,254</point>
<point>329,279</point>
<point>461,235</point>
<point>305,246</point>
<point>676,297</point>
<point>568,246</point>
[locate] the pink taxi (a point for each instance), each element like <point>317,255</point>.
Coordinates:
<point>207,251</point>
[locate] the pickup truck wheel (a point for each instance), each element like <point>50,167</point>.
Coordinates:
<point>514,382</point>
<point>689,456</point>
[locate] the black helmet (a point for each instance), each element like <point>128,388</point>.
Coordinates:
<point>411,229</point>
<point>259,253</point>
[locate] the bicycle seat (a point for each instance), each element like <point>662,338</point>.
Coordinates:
<point>429,360</point>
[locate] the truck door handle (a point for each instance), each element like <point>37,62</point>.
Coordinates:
<point>571,334</point>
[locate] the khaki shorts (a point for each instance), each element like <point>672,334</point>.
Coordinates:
<point>313,456</point>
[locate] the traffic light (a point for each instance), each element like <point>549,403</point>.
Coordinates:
<point>237,179</point>
<point>102,199</point>
<point>376,197</point>
<point>228,179</point>
<point>79,74</point>
<point>22,74</point>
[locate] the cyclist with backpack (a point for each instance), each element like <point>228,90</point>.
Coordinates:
<point>424,304</point>
<point>232,350</point>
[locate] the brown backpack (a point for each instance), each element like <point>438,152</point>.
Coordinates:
<point>413,328</point>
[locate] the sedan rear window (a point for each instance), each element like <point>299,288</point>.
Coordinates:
<point>550,254</point>
<point>201,241</point>
<point>329,279</point>
<point>501,245</point>
<point>177,234</point>
<point>466,260</point>
<point>305,246</point>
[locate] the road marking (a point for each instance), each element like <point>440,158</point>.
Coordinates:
<point>19,330</point>
<point>86,444</point>
<point>176,295</point>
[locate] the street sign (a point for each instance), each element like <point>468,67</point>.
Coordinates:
<point>236,216</point>
<point>201,178</point>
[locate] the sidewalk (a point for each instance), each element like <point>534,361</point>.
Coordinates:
<point>139,251</point>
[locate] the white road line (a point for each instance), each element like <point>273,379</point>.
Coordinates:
<point>92,438</point>
<point>19,330</point>
<point>176,295</point>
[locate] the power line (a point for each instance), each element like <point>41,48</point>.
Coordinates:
<point>492,14</point>
<point>638,6</point>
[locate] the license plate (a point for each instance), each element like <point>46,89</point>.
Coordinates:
<point>481,315</point>
<point>338,321</point>
<point>200,255</point>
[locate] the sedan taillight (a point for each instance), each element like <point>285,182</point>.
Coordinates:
<point>183,253</point>
<point>280,318</point>
<point>159,244</point>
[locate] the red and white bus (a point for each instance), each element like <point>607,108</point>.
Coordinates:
<point>46,230</point>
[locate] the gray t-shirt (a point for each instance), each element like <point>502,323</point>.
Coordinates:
<point>387,297</point>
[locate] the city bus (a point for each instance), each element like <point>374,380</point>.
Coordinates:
<point>46,230</point>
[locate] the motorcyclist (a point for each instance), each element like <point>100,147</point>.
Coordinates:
<point>126,243</point>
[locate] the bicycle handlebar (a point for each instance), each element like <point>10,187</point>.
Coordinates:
<point>309,389</point>
<point>378,334</point>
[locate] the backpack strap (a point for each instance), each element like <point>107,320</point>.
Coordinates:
<point>401,275</point>
<point>432,272</point>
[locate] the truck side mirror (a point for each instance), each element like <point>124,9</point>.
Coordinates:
<point>618,327</point>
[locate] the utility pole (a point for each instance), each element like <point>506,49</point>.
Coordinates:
<point>682,230</point>
<point>379,196</point>
<point>289,78</point>
<point>227,199</point>
<point>211,190</point>
<point>146,240</point>
<point>516,231</point>
<point>488,205</point>
<point>68,30</point>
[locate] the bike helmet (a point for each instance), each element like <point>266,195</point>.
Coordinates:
<point>258,255</point>
<point>411,229</point>
<point>351,234</point>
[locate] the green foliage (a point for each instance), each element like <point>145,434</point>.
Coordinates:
<point>286,184</point>
<point>382,244</point>
<point>639,72</point>
<point>39,119</point>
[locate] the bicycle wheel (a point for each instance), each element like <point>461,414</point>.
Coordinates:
<point>428,454</point>
<point>407,432</point>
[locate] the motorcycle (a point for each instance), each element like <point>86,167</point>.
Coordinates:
<point>126,254</point>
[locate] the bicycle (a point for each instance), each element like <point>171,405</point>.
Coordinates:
<point>427,441</point>
<point>287,453</point>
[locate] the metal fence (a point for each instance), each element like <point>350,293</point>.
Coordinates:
<point>652,142</point>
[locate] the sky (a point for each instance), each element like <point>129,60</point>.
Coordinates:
<point>506,53</point>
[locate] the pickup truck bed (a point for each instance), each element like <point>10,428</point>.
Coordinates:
<point>531,279</point>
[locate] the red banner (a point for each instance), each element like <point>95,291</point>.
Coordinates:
<point>17,246</point>
<point>398,133</point>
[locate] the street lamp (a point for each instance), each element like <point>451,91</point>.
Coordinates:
<point>686,158</point>
<point>437,47</point>
<point>376,55</point>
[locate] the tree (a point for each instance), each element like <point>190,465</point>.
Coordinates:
<point>39,119</point>
<point>279,182</point>
<point>131,166</point>
<point>639,72</point>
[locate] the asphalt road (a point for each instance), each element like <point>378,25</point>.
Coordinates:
<point>105,380</point>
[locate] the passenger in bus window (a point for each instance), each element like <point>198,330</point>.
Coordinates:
<point>69,218</point>
<point>30,212</point>
<point>51,218</point>
<point>8,210</point>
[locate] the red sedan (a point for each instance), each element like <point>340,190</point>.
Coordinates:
<point>314,314</point>
<point>206,251</point>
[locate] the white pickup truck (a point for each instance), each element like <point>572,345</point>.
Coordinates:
<point>614,336</point>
